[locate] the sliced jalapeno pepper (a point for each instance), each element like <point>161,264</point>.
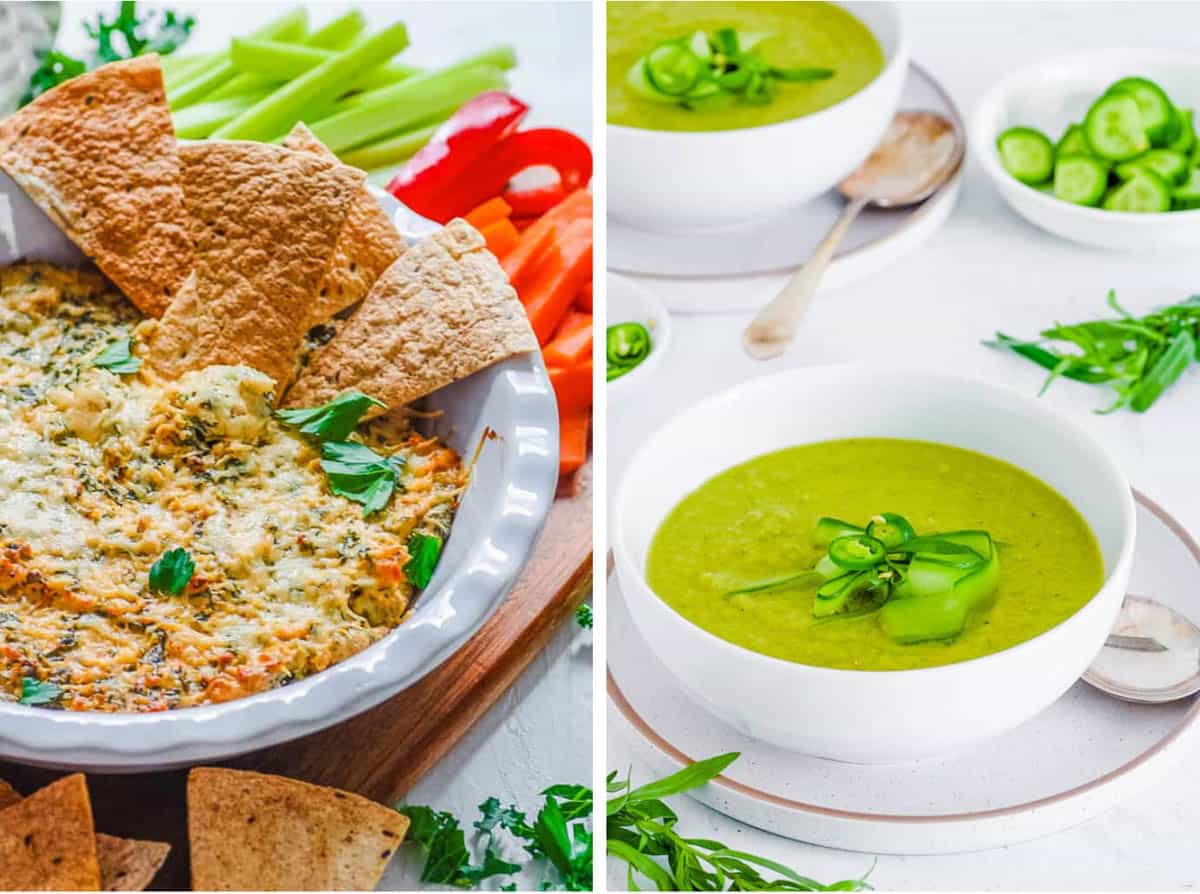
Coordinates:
<point>673,69</point>
<point>625,346</point>
<point>857,552</point>
<point>829,529</point>
<point>890,529</point>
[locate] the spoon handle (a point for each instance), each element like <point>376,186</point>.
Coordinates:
<point>775,326</point>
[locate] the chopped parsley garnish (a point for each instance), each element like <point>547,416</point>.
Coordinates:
<point>424,551</point>
<point>333,421</point>
<point>583,616</point>
<point>118,358</point>
<point>358,473</point>
<point>172,572</point>
<point>35,692</point>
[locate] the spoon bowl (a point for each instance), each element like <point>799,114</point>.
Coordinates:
<point>1151,657</point>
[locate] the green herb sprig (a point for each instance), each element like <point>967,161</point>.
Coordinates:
<point>333,421</point>
<point>172,572</point>
<point>358,473</point>
<point>584,617</point>
<point>641,833</point>
<point>118,358</point>
<point>124,37</point>
<point>35,692</point>
<point>424,551</point>
<point>1140,358</point>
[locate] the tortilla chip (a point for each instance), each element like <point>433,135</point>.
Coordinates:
<point>443,311</point>
<point>48,842</point>
<point>264,221</point>
<point>368,245</point>
<point>127,864</point>
<point>253,832</point>
<point>98,155</point>
<point>8,795</point>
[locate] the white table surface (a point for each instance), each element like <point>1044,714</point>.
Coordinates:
<point>986,269</point>
<point>540,732</point>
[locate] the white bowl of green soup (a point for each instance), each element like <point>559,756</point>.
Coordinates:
<point>873,565</point>
<point>723,113</point>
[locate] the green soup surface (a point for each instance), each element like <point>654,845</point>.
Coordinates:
<point>817,35</point>
<point>755,521</point>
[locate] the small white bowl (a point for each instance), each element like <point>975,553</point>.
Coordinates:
<point>689,181</point>
<point>629,303</point>
<point>871,716</point>
<point>1054,94</point>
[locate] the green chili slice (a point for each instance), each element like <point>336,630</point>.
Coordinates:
<point>857,552</point>
<point>890,529</point>
<point>673,69</point>
<point>626,345</point>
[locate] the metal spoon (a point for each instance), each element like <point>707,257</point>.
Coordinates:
<point>919,152</point>
<point>1149,669</point>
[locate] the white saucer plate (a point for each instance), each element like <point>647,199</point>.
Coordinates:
<point>1077,758</point>
<point>778,246</point>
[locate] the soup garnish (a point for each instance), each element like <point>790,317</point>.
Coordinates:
<point>626,346</point>
<point>923,587</point>
<point>702,70</point>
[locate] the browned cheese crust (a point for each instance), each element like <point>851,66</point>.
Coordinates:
<point>441,312</point>
<point>368,244</point>
<point>98,154</point>
<point>264,221</point>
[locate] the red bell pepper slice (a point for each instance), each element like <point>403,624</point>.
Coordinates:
<point>489,175</point>
<point>457,145</point>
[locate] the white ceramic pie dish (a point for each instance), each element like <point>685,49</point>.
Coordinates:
<point>680,181</point>
<point>1053,94</point>
<point>870,716</point>
<point>493,535</point>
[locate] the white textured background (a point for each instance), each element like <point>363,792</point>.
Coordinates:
<point>540,732</point>
<point>985,269</point>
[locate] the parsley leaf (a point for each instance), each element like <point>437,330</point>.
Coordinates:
<point>123,38</point>
<point>358,473</point>
<point>583,616</point>
<point>118,358</point>
<point>35,692</point>
<point>424,551</point>
<point>333,421</point>
<point>172,572</point>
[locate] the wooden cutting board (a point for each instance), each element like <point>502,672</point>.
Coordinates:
<point>383,752</point>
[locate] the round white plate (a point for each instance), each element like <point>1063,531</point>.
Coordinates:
<point>778,246</point>
<point>1071,762</point>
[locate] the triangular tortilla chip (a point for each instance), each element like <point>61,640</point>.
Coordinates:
<point>252,832</point>
<point>368,245</point>
<point>443,311</point>
<point>48,842</point>
<point>125,863</point>
<point>98,154</point>
<point>264,221</point>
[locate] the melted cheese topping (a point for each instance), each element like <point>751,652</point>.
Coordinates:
<point>100,474</point>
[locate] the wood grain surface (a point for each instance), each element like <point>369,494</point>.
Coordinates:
<point>382,752</point>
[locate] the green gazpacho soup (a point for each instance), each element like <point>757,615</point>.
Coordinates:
<point>788,37</point>
<point>756,522</point>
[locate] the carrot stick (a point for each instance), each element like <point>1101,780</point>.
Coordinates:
<point>572,343</point>
<point>488,213</point>
<point>576,206</point>
<point>501,236</point>
<point>547,292</point>
<point>572,387</point>
<point>584,301</point>
<point>572,440</point>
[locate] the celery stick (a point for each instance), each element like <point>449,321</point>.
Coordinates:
<point>199,121</point>
<point>314,88</point>
<point>178,68</point>
<point>340,33</point>
<point>391,150</point>
<point>284,61</point>
<point>394,108</point>
<point>498,57</point>
<point>289,26</point>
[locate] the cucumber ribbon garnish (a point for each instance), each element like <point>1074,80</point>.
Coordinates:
<point>924,587</point>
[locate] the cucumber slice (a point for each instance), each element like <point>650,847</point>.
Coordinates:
<point>1187,196</point>
<point>1185,136</point>
<point>1114,129</point>
<point>1156,109</point>
<point>1072,142</point>
<point>1027,154</point>
<point>1080,179</point>
<point>1170,165</point>
<point>1143,193</point>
